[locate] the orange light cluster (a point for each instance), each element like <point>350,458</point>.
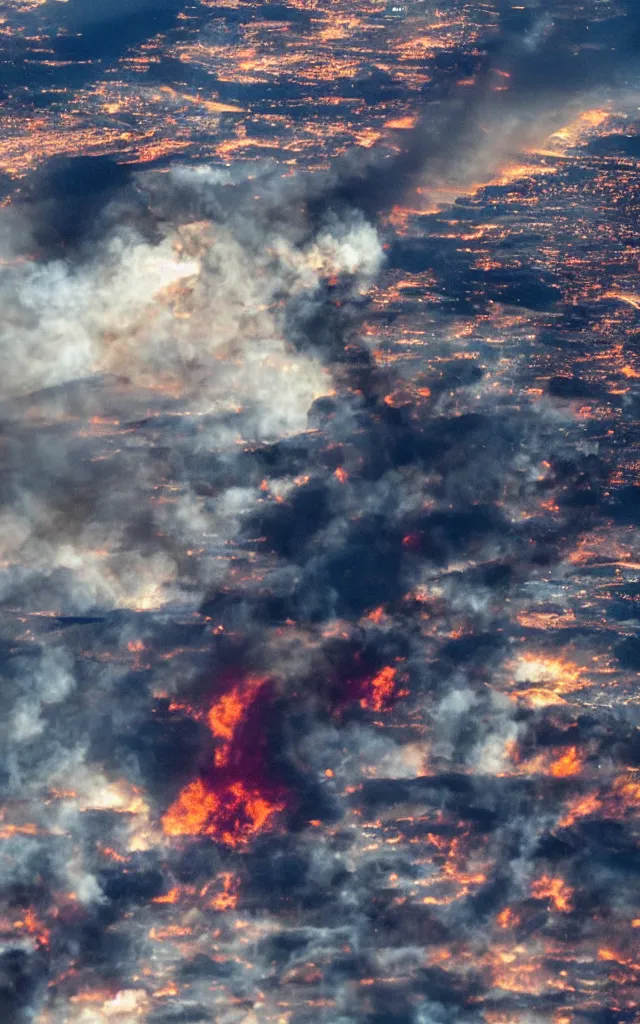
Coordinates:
<point>227,897</point>
<point>169,897</point>
<point>227,713</point>
<point>507,918</point>
<point>229,813</point>
<point>232,804</point>
<point>568,764</point>
<point>381,689</point>
<point>556,890</point>
<point>30,924</point>
<point>581,807</point>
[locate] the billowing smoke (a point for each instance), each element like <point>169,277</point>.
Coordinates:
<point>290,729</point>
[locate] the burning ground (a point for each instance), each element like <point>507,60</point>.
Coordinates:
<point>319,578</point>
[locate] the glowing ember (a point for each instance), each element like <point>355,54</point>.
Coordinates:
<point>569,764</point>
<point>227,713</point>
<point>170,897</point>
<point>231,814</point>
<point>381,689</point>
<point>507,918</point>
<point>227,897</point>
<point>559,894</point>
<point>559,675</point>
<point>191,811</point>
<point>581,807</point>
<point>30,924</point>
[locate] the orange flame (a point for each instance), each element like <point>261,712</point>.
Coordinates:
<point>382,687</point>
<point>376,616</point>
<point>227,898</point>
<point>569,764</point>
<point>555,890</point>
<point>227,713</point>
<point>169,897</point>
<point>30,923</point>
<point>231,813</point>
<point>630,373</point>
<point>580,808</point>
<point>507,918</point>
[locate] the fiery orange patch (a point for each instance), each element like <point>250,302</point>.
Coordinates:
<point>402,123</point>
<point>507,918</point>
<point>108,851</point>
<point>381,687</point>
<point>172,931</point>
<point>6,831</point>
<point>227,713</point>
<point>558,674</point>
<point>546,620</point>
<point>538,697</point>
<point>555,890</point>
<point>580,808</point>
<point>227,897</point>
<point>30,923</point>
<point>626,791</point>
<point>230,813</point>
<point>169,897</point>
<point>189,814</point>
<point>99,995</point>
<point>376,616</point>
<point>569,764</point>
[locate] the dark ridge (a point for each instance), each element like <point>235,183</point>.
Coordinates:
<point>628,653</point>
<point>180,1015</point>
<point>66,204</point>
<point>21,975</point>
<point>131,887</point>
<point>405,924</point>
<point>449,989</point>
<point>279,948</point>
<point>625,505</point>
<point>203,968</point>
<point>286,528</point>
<point>469,648</point>
<point>571,387</point>
<point>615,145</point>
<point>168,749</point>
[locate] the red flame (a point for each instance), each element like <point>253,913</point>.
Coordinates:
<point>381,690</point>
<point>30,923</point>
<point>236,800</point>
<point>412,542</point>
<point>231,813</point>
<point>569,764</point>
<point>555,890</point>
<point>227,897</point>
<point>227,713</point>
